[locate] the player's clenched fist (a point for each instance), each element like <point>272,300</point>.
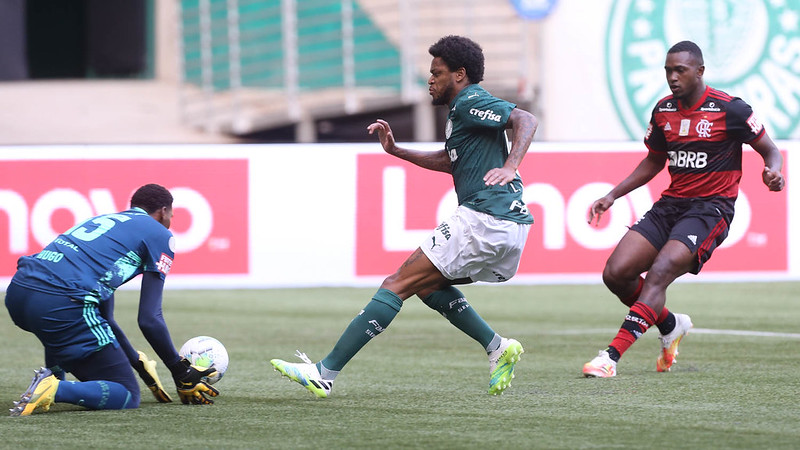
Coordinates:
<point>773,179</point>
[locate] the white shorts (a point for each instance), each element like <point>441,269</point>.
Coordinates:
<point>475,245</point>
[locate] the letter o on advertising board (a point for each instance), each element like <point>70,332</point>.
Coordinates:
<point>586,234</point>
<point>741,221</point>
<point>202,220</point>
<point>51,201</point>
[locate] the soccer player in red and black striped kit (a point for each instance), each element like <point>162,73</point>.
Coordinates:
<point>699,130</point>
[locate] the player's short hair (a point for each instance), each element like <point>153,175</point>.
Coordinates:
<point>688,46</point>
<point>457,52</point>
<point>151,197</point>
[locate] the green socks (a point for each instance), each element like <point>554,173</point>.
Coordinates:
<point>382,309</point>
<point>450,302</point>
<point>370,322</point>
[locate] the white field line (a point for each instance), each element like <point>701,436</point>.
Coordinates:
<point>693,331</point>
<point>745,333</point>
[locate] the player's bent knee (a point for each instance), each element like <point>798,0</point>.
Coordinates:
<point>612,277</point>
<point>134,400</point>
<point>132,404</point>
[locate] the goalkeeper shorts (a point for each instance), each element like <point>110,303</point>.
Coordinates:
<point>69,329</point>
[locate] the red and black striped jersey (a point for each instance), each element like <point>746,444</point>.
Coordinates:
<point>703,142</point>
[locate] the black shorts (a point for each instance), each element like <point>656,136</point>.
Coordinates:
<point>700,223</point>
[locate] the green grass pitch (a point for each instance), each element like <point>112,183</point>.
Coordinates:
<point>422,384</point>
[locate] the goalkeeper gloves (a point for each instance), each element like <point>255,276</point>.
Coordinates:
<point>191,387</point>
<point>147,372</point>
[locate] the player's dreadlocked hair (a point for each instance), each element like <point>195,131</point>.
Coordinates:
<point>151,198</point>
<point>457,52</point>
<point>691,47</point>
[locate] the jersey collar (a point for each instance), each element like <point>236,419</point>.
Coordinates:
<point>702,100</point>
<point>469,89</point>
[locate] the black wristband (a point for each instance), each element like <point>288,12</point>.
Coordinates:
<point>179,368</point>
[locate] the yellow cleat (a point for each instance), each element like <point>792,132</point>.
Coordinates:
<point>501,365</point>
<point>305,373</point>
<point>39,395</point>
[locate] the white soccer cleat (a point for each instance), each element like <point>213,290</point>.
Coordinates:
<point>305,373</point>
<point>669,343</point>
<point>602,366</point>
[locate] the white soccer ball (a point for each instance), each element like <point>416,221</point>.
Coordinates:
<point>203,351</point>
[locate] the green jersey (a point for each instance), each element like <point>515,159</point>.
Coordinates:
<point>476,143</point>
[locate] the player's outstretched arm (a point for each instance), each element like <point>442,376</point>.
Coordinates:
<point>648,168</point>
<point>151,319</point>
<point>438,161</point>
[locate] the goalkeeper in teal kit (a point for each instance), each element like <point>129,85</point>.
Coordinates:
<point>482,241</point>
<point>65,296</point>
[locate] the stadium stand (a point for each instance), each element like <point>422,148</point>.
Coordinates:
<point>225,70</point>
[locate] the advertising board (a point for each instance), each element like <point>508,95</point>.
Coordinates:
<point>261,216</point>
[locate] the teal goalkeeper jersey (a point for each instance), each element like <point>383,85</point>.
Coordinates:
<point>92,259</point>
<point>476,143</point>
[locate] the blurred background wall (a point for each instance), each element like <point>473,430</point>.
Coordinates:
<point>184,71</point>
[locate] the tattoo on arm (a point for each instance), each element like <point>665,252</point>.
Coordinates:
<point>523,125</point>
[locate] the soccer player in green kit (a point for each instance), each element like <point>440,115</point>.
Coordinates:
<point>482,241</point>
